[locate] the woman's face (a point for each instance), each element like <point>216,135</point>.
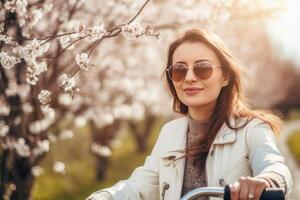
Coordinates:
<point>192,91</point>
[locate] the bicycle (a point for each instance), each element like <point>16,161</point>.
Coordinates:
<point>224,192</point>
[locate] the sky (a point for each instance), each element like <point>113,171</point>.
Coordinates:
<point>285,31</point>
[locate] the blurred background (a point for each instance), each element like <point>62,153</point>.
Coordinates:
<point>71,125</point>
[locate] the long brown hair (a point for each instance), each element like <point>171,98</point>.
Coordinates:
<point>231,102</point>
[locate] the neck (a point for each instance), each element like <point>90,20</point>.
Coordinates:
<point>202,112</point>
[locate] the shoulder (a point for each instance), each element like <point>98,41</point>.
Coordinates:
<point>252,124</point>
<point>175,123</point>
<point>253,129</point>
<point>176,127</point>
<point>258,131</point>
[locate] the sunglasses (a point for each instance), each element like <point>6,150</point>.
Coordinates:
<point>202,70</point>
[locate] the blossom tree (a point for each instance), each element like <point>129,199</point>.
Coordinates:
<point>45,44</point>
<point>33,39</point>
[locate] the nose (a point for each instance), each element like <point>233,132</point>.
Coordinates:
<point>190,76</point>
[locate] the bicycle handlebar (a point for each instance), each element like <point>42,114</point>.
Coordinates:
<point>224,192</point>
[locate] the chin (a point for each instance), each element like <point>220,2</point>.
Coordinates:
<point>195,103</point>
<point>197,100</point>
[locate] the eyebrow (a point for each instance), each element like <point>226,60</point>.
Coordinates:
<point>201,60</point>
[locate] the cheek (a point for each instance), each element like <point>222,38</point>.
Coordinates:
<point>214,88</point>
<point>177,88</point>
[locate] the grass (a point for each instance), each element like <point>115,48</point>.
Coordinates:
<point>79,181</point>
<point>293,143</point>
<point>294,114</point>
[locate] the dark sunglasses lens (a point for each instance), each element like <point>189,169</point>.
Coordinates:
<point>178,72</point>
<point>203,70</point>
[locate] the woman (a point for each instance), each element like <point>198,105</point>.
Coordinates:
<point>218,141</point>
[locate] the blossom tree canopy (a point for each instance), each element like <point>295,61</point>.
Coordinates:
<point>99,60</point>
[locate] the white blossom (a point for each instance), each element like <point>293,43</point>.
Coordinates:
<point>43,145</point>
<point>8,61</point>
<point>37,14</point>
<point>6,38</point>
<point>133,30</point>
<point>48,111</point>
<point>4,110</point>
<point>8,144</point>
<point>101,150</point>
<point>40,67</point>
<point>27,108</point>
<point>22,149</point>
<point>96,32</point>
<point>38,126</point>
<point>21,7</point>
<point>59,167</point>
<point>18,6</point>
<point>80,121</point>
<point>83,61</point>
<point>122,111</point>
<point>3,129</point>
<point>37,171</point>
<point>41,148</point>
<point>32,50</point>
<point>44,97</point>
<point>52,137</point>
<point>34,70</point>
<point>80,29</point>
<point>66,134</point>
<point>67,83</point>
<point>65,99</point>
<point>48,7</point>
<point>31,77</point>
<point>65,41</point>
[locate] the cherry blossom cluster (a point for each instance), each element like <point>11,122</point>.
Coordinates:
<point>23,149</point>
<point>81,31</point>
<point>103,151</point>
<point>68,84</point>
<point>29,16</point>
<point>135,30</point>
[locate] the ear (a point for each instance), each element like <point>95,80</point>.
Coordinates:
<point>225,80</point>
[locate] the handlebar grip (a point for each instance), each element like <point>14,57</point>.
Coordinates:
<point>268,194</point>
<point>272,193</point>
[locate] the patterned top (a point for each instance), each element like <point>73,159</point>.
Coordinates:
<point>192,177</point>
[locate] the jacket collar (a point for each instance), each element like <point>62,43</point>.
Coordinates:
<point>179,134</point>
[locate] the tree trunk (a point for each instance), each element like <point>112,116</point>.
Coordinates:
<point>103,136</point>
<point>141,131</point>
<point>23,179</point>
<point>141,143</point>
<point>102,164</point>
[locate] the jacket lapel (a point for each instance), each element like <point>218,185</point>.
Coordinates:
<point>173,156</point>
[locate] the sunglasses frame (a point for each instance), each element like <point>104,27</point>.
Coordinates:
<point>192,68</point>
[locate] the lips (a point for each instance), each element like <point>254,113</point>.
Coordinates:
<point>192,90</point>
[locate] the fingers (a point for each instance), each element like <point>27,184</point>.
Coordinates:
<point>251,192</point>
<point>234,191</point>
<point>261,185</point>
<point>248,188</point>
<point>244,191</point>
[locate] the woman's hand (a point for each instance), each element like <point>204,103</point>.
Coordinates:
<point>248,188</point>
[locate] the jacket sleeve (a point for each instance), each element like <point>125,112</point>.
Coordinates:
<point>264,155</point>
<point>143,184</point>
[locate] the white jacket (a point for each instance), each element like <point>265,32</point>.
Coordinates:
<point>250,151</point>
